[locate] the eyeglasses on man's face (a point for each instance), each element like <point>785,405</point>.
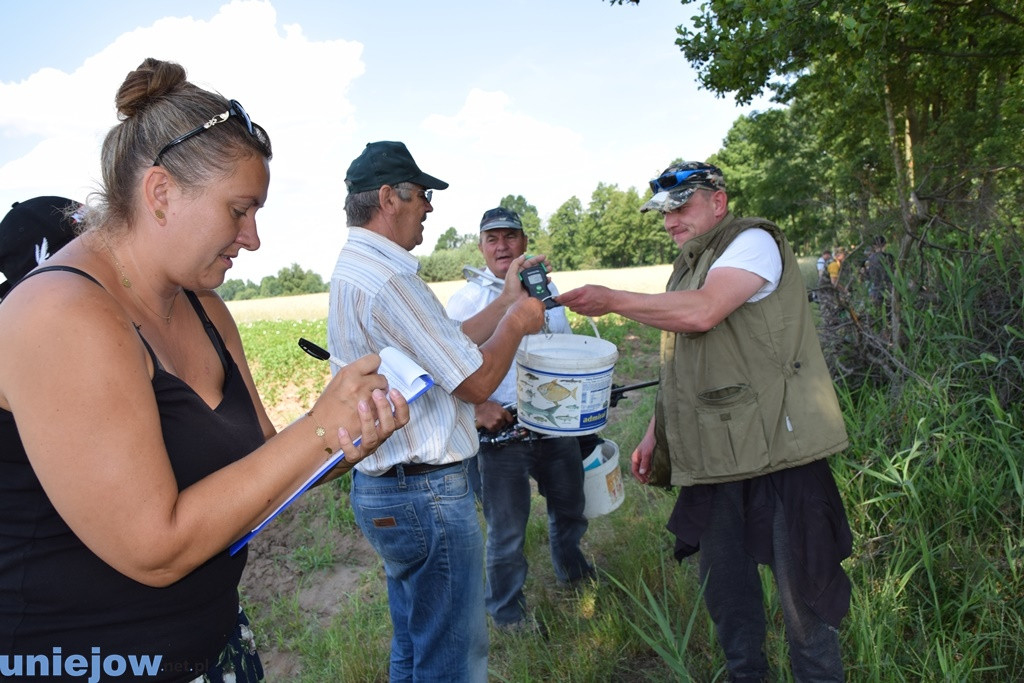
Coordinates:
<point>234,109</point>
<point>672,180</point>
<point>408,187</point>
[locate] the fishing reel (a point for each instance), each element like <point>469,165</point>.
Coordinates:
<point>511,433</point>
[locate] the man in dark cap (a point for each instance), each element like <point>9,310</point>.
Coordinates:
<point>746,414</point>
<point>412,498</point>
<point>33,231</point>
<point>506,466</point>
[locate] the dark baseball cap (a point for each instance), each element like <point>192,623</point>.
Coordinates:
<point>31,232</point>
<point>387,163</point>
<point>500,218</point>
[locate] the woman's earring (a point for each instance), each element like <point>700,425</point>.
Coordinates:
<point>159,214</point>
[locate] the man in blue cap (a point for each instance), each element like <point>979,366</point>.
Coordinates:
<point>412,498</point>
<point>507,466</point>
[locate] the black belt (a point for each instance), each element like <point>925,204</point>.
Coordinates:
<point>418,468</point>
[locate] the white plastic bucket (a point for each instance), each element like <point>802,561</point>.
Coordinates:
<point>564,383</point>
<point>602,484</point>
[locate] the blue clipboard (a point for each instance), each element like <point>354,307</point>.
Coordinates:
<point>402,373</point>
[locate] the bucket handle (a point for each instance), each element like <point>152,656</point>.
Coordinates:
<point>526,339</point>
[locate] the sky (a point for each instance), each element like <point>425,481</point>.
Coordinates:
<point>533,98</point>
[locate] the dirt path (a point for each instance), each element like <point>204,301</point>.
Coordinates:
<point>273,571</point>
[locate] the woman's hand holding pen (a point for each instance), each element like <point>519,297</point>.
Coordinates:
<point>356,404</point>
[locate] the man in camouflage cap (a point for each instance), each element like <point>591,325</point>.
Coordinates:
<point>745,416</point>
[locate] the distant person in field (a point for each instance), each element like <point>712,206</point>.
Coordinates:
<point>823,261</point>
<point>836,266</point>
<point>413,499</point>
<point>506,467</point>
<point>746,414</point>
<point>33,231</point>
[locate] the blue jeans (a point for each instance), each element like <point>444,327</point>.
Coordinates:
<point>473,472</point>
<point>426,530</point>
<point>736,603</point>
<point>505,473</point>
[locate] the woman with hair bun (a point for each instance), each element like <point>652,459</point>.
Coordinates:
<point>134,448</point>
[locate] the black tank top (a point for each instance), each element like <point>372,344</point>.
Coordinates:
<point>55,593</point>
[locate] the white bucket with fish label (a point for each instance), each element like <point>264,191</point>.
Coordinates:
<point>603,489</point>
<point>564,383</point>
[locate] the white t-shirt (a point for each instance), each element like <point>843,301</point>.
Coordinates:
<point>754,251</point>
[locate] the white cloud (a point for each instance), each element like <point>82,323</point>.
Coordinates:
<point>523,153</point>
<point>489,127</point>
<point>530,119</point>
<point>294,87</point>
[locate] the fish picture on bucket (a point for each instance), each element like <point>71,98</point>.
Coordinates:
<point>555,392</point>
<point>552,393</point>
<point>564,383</point>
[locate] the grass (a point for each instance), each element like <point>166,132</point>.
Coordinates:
<point>933,484</point>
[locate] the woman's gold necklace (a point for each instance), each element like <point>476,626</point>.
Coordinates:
<point>127,284</point>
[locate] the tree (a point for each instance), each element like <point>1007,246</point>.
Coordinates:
<point>270,287</point>
<point>446,265</point>
<point>618,235</point>
<point>295,280</point>
<point>569,251</point>
<point>287,282</point>
<point>233,290</point>
<point>811,188</point>
<point>452,240</point>
<point>527,213</point>
<point>934,76</point>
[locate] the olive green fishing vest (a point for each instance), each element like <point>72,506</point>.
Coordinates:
<point>752,395</point>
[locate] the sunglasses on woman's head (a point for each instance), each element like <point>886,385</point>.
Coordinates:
<point>234,109</point>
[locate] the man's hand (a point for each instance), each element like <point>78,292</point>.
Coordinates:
<point>589,300</point>
<point>513,289</point>
<point>492,416</point>
<point>527,314</point>
<point>640,460</point>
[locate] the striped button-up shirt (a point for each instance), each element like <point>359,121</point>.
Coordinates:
<point>377,299</point>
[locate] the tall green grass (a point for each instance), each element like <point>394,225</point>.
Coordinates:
<point>933,483</point>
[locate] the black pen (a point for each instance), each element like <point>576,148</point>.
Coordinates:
<point>319,352</point>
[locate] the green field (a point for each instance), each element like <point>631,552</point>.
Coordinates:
<point>932,483</point>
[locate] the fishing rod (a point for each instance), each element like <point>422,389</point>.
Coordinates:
<point>618,391</point>
<point>516,432</point>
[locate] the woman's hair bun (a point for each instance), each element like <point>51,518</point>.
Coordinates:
<point>150,81</point>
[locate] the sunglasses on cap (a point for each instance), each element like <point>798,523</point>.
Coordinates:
<point>234,109</point>
<point>669,181</point>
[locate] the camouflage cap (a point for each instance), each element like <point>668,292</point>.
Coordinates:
<point>678,182</point>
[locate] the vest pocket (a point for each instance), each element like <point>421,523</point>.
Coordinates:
<point>732,440</point>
